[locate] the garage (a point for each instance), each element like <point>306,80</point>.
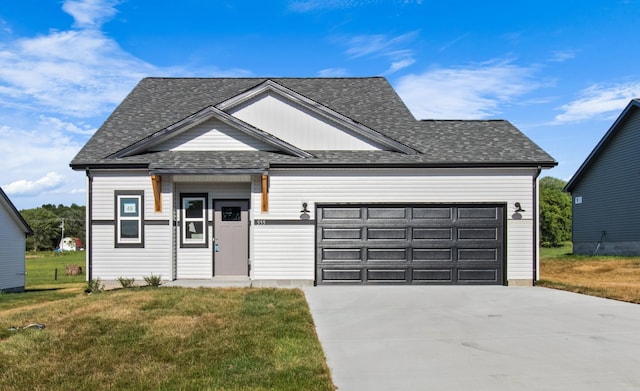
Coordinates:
<point>410,244</point>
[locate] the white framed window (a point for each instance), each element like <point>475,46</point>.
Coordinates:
<point>194,220</point>
<point>129,218</point>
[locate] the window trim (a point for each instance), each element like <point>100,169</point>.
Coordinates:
<point>187,243</point>
<point>123,242</point>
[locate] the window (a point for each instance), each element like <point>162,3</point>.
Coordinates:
<point>194,221</point>
<point>129,219</point>
<point>230,213</point>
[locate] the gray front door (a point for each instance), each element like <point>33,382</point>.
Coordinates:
<point>231,238</point>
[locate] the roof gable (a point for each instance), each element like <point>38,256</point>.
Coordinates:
<point>6,203</point>
<point>200,117</point>
<point>312,120</point>
<point>600,148</point>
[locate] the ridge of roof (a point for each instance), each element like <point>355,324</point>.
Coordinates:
<point>17,216</point>
<point>610,133</point>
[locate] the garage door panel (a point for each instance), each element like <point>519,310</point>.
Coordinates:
<point>438,213</point>
<point>411,244</point>
<point>477,254</point>
<point>432,276</point>
<point>477,276</point>
<point>432,233</point>
<point>477,213</point>
<point>386,254</point>
<point>341,233</point>
<point>342,213</point>
<point>342,275</point>
<point>374,213</point>
<point>387,275</point>
<point>477,233</point>
<point>432,254</point>
<point>386,233</point>
<point>341,254</point>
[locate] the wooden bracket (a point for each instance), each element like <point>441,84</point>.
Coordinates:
<point>265,194</point>
<point>156,184</point>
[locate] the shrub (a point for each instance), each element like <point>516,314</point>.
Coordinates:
<point>94,286</point>
<point>153,281</point>
<point>126,282</point>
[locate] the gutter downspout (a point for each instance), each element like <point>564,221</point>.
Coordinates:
<point>536,228</point>
<point>88,224</point>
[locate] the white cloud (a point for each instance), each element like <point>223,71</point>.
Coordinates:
<point>469,92</point>
<point>598,100</point>
<point>563,55</point>
<point>58,124</point>
<point>333,72</point>
<point>90,13</point>
<point>380,45</point>
<point>303,6</point>
<point>79,73</point>
<point>52,180</point>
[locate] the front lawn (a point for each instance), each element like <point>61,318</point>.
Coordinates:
<point>604,276</point>
<point>164,339</point>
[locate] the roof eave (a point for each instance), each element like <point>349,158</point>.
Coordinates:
<point>633,104</point>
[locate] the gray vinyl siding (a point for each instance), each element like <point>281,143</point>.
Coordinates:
<point>610,190</point>
<point>12,252</point>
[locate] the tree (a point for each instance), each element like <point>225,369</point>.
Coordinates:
<point>555,212</point>
<point>46,223</point>
<point>46,229</point>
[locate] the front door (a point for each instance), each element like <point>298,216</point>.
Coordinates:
<point>231,238</point>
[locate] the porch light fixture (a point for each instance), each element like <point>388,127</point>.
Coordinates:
<point>304,212</point>
<point>518,208</point>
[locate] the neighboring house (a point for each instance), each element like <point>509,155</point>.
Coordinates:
<point>605,191</point>
<point>290,181</point>
<point>70,244</point>
<point>13,232</point>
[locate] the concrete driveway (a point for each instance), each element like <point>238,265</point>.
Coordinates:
<point>475,338</point>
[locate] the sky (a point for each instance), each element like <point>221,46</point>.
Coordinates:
<point>560,71</point>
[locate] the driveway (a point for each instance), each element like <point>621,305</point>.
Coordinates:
<point>475,338</point>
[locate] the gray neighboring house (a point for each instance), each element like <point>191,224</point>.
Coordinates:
<point>13,232</point>
<point>605,189</point>
<point>302,181</point>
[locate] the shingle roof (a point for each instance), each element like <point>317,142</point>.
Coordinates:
<point>157,103</point>
<point>631,108</point>
<point>4,200</point>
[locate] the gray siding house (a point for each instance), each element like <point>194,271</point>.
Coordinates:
<point>302,181</point>
<point>13,232</point>
<point>605,189</point>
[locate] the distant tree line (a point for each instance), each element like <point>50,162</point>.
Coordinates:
<point>48,221</point>
<point>555,212</point>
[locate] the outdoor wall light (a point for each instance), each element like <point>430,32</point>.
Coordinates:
<point>304,212</point>
<point>518,208</point>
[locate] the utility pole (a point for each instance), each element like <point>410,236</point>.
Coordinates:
<point>62,237</point>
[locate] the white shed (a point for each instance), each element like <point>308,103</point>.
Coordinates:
<point>13,232</point>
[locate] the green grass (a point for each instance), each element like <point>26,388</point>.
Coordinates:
<point>164,339</point>
<point>41,268</point>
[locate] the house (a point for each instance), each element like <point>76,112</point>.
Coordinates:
<point>13,232</point>
<point>70,244</point>
<point>605,190</point>
<point>294,181</point>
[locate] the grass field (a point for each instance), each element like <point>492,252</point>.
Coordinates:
<point>611,277</point>
<point>154,339</point>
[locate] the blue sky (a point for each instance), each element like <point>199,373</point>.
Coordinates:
<point>561,71</point>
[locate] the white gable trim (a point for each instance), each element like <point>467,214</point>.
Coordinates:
<point>342,120</point>
<point>202,116</point>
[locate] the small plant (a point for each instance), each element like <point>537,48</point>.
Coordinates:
<point>153,281</point>
<point>94,286</point>
<point>126,282</point>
